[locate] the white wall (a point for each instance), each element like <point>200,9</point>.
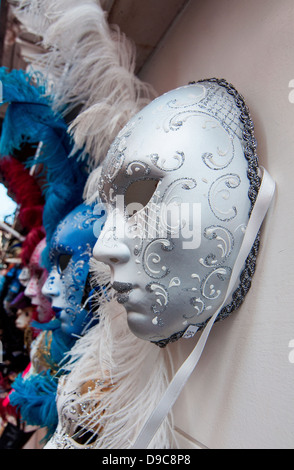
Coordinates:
<point>242,393</point>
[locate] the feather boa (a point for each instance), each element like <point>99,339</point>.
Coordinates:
<point>55,343</point>
<point>30,118</point>
<point>32,240</point>
<point>34,393</point>
<point>25,191</point>
<point>35,398</point>
<point>127,378</point>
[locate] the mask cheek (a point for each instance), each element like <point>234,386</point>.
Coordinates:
<point>72,319</point>
<point>76,292</point>
<point>74,298</point>
<point>80,273</point>
<point>71,287</point>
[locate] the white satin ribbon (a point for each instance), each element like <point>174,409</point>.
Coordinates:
<point>261,206</point>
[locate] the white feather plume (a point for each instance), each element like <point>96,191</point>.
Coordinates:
<point>135,374</point>
<point>91,192</point>
<point>92,66</point>
<point>96,75</point>
<point>37,15</point>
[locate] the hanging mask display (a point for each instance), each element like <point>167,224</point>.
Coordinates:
<point>68,291</point>
<point>180,181</point>
<point>185,200</point>
<point>67,285</point>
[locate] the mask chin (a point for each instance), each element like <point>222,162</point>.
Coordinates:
<point>73,323</point>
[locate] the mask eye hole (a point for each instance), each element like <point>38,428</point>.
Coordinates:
<point>138,195</point>
<point>63,262</point>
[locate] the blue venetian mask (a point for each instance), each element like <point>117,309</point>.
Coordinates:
<point>71,249</point>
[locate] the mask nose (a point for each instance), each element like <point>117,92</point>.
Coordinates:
<point>31,288</point>
<point>50,288</point>
<point>111,254</point>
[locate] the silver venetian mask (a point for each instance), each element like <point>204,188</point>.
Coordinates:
<point>180,181</point>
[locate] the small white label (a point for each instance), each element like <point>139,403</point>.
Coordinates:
<point>190,331</point>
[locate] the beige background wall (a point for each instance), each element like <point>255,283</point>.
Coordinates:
<point>242,393</point>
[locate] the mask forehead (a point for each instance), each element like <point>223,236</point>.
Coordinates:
<point>74,230</point>
<point>198,143</point>
<point>178,129</point>
<point>35,258</point>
